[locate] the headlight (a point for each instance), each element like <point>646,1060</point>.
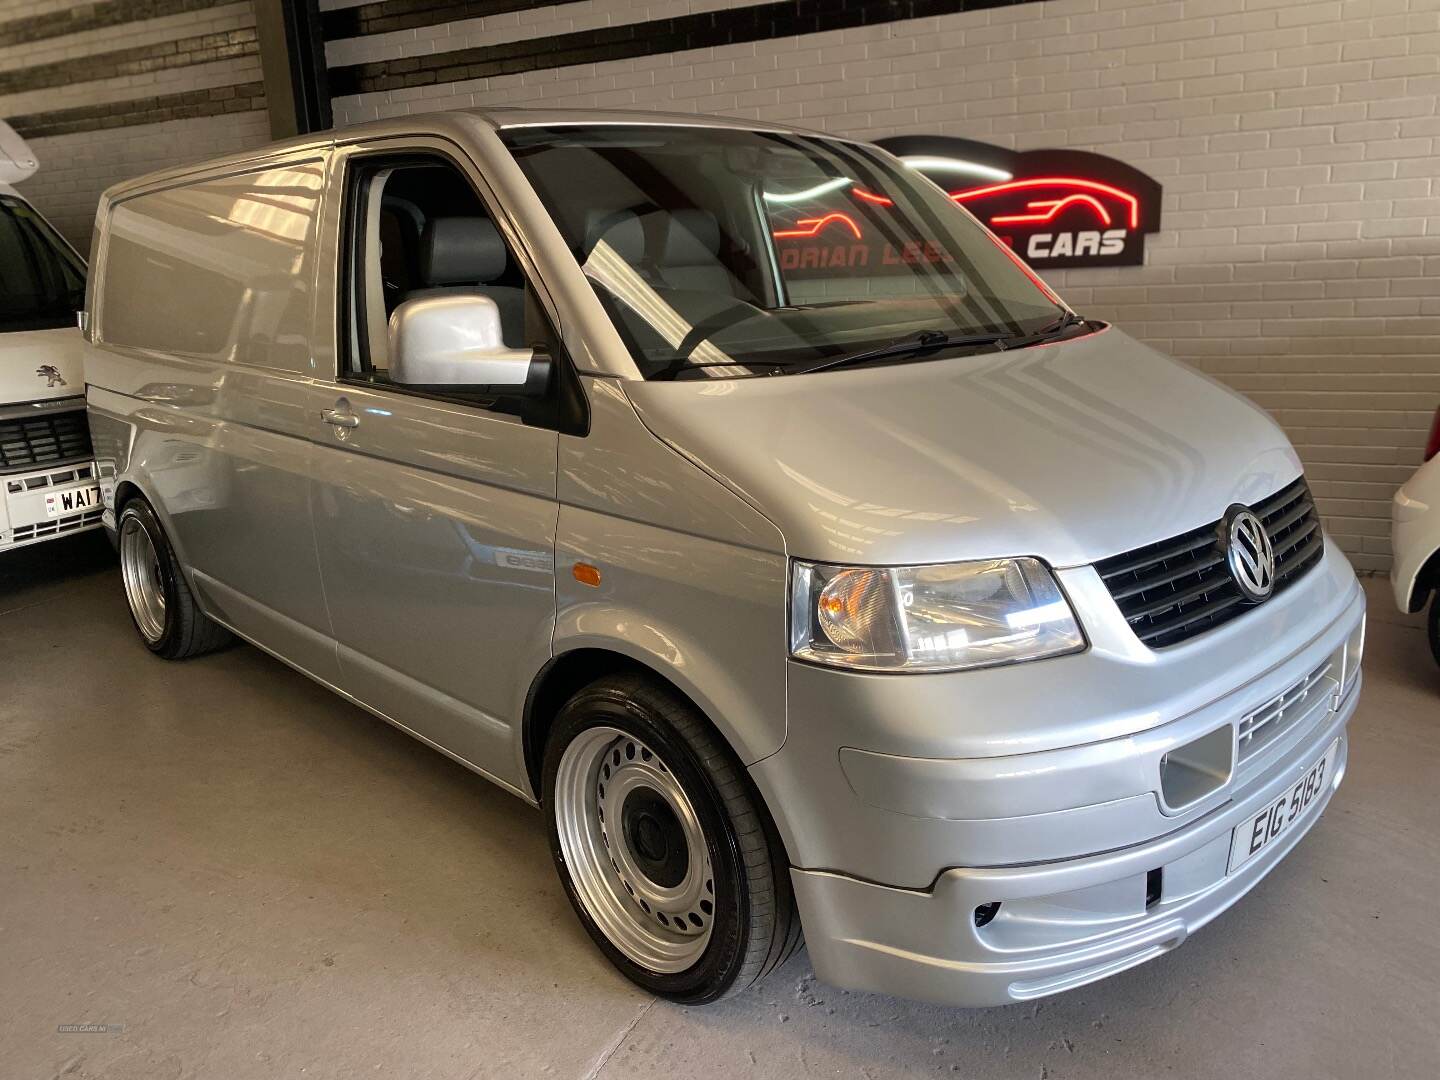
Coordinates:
<point>929,618</point>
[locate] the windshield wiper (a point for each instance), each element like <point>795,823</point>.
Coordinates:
<point>1045,333</point>
<point>678,367</point>
<point>931,340</point>
<point>924,341</point>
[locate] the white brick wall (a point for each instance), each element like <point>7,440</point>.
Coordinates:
<point>17,9</point>
<point>542,20</point>
<point>1298,142</point>
<point>133,87</point>
<point>110,38</point>
<point>74,169</point>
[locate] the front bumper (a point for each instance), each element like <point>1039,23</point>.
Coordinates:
<point>907,802</point>
<point>43,504</point>
<point>1060,925</point>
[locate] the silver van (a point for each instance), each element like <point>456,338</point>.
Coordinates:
<point>730,493</point>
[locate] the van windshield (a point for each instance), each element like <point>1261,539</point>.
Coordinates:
<point>724,253</point>
<point>42,281</point>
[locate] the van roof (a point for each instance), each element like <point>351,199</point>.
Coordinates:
<point>453,122</point>
<point>509,117</point>
<point>518,116</point>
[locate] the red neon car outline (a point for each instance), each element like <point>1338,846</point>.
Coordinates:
<point>871,197</point>
<point>811,227</point>
<point>968,194</point>
<point>1043,210</point>
<point>1050,209</point>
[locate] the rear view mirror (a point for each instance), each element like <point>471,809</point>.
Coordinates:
<point>453,342</point>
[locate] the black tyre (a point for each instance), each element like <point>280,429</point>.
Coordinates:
<point>161,604</point>
<point>1435,626</point>
<point>663,846</point>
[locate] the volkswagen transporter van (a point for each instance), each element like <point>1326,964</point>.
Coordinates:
<point>730,493</point>
<point>47,475</point>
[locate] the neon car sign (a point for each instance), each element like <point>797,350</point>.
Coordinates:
<point>813,226</point>
<point>1053,208</point>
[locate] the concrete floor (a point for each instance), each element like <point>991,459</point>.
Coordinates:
<point>255,879</point>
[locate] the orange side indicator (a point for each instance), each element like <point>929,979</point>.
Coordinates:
<point>586,574</point>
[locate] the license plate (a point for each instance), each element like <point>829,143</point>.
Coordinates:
<point>1285,813</point>
<point>74,501</point>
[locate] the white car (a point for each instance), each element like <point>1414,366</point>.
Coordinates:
<point>48,486</point>
<point>1416,539</point>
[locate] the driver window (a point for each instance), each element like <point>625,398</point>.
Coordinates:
<point>418,230</point>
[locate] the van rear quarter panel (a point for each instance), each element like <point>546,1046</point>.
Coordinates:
<point>219,268</point>
<point>202,393</point>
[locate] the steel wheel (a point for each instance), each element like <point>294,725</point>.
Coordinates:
<point>140,570</point>
<point>635,849</point>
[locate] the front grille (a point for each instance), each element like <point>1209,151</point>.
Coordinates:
<point>34,442</point>
<point>85,520</point>
<point>1278,715</point>
<point>55,479</point>
<point>1175,589</point>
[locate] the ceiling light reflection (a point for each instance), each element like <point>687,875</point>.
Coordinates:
<point>956,165</point>
<point>815,192</point>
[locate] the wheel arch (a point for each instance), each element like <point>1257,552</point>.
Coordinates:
<point>1427,578</point>
<point>129,488</point>
<point>558,681</point>
<point>126,490</point>
<point>570,671</point>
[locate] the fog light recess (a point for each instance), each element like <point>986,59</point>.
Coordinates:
<point>1201,767</point>
<point>986,912</point>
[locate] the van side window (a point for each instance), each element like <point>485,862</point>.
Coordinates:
<point>418,229</point>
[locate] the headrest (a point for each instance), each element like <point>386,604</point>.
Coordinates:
<point>461,251</point>
<point>621,229</point>
<point>693,239</point>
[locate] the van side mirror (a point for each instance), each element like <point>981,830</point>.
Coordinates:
<point>452,342</point>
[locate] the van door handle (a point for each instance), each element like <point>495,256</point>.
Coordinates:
<point>339,418</point>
